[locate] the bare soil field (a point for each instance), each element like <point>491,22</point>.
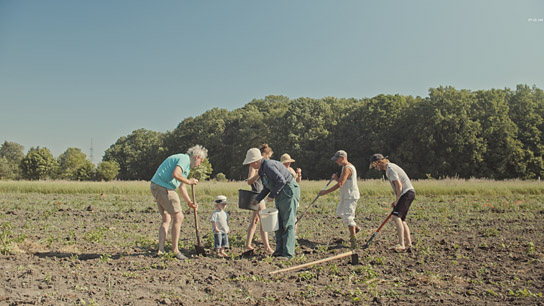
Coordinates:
<point>100,250</point>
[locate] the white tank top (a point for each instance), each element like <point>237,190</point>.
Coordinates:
<point>350,189</point>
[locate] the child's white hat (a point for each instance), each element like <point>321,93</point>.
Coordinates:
<point>221,199</point>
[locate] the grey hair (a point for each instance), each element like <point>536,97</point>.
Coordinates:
<point>198,150</point>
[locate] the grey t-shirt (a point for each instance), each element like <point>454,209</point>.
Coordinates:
<point>395,173</point>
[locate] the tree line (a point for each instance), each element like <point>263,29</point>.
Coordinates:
<point>39,163</point>
<point>495,134</point>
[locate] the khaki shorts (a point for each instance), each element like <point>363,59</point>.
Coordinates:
<point>167,199</point>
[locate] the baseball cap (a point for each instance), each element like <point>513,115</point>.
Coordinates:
<point>375,157</point>
<point>339,153</point>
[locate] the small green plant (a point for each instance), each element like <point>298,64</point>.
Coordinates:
<point>523,293</point>
<point>145,242</point>
<point>490,232</point>
<point>104,258</point>
<point>306,276</point>
<point>531,248</point>
<point>366,272</point>
<point>379,260</point>
<point>95,236</point>
<point>333,269</point>
<point>6,241</point>
<point>48,279</point>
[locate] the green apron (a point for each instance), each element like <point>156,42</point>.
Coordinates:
<point>286,203</point>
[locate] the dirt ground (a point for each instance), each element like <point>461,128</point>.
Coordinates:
<point>91,250</point>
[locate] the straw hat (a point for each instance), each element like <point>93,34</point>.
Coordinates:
<point>286,158</point>
<point>252,156</point>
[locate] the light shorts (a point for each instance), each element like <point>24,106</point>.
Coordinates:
<point>167,199</point>
<point>346,211</point>
<point>220,240</point>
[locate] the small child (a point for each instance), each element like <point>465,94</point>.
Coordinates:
<point>220,226</point>
<point>349,193</point>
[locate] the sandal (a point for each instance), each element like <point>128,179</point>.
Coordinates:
<point>398,248</point>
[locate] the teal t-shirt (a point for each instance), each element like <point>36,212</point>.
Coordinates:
<point>163,176</point>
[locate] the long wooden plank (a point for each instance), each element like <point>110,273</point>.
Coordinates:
<point>312,263</point>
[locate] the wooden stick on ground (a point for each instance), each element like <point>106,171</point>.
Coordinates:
<point>312,263</point>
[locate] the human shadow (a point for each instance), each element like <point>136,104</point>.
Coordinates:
<point>336,243</point>
<point>90,256</point>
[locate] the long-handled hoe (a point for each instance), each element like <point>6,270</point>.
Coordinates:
<point>354,256</point>
<point>311,204</point>
<point>198,248</point>
<point>376,232</point>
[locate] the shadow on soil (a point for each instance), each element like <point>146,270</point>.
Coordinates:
<point>89,256</point>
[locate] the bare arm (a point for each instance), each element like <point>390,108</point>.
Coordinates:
<point>215,228</point>
<point>178,175</point>
<point>252,176</point>
<point>299,175</point>
<point>398,190</point>
<point>346,173</point>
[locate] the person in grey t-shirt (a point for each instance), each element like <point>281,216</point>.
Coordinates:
<point>404,195</point>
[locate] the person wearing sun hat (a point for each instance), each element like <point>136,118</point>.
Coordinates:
<point>349,193</point>
<point>281,187</point>
<point>254,180</point>
<point>286,160</point>
<point>404,196</point>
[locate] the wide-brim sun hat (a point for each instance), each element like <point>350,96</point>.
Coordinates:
<point>286,158</point>
<point>252,156</point>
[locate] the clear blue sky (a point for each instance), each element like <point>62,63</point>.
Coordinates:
<point>72,71</point>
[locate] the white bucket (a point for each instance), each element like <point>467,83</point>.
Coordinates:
<point>269,219</point>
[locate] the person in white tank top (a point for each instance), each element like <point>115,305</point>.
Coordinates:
<point>349,193</point>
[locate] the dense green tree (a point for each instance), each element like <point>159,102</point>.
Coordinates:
<point>220,177</point>
<point>202,172</point>
<point>450,133</point>
<point>107,171</point>
<point>138,154</point>
<point>440,136</point>
<point>525,110</point>
<point>11,154</point>
<point>503,152</point>
<point>69,163</point>
<point>39,164</point>
<point>303,132</point>
<point>85,172</point>
<point>246,128</point>
<point>206,130</point>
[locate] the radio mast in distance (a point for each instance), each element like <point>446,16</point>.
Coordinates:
<point>91,156</point>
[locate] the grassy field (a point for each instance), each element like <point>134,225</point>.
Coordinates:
<point>367,187</point>
<point>69,243</point>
